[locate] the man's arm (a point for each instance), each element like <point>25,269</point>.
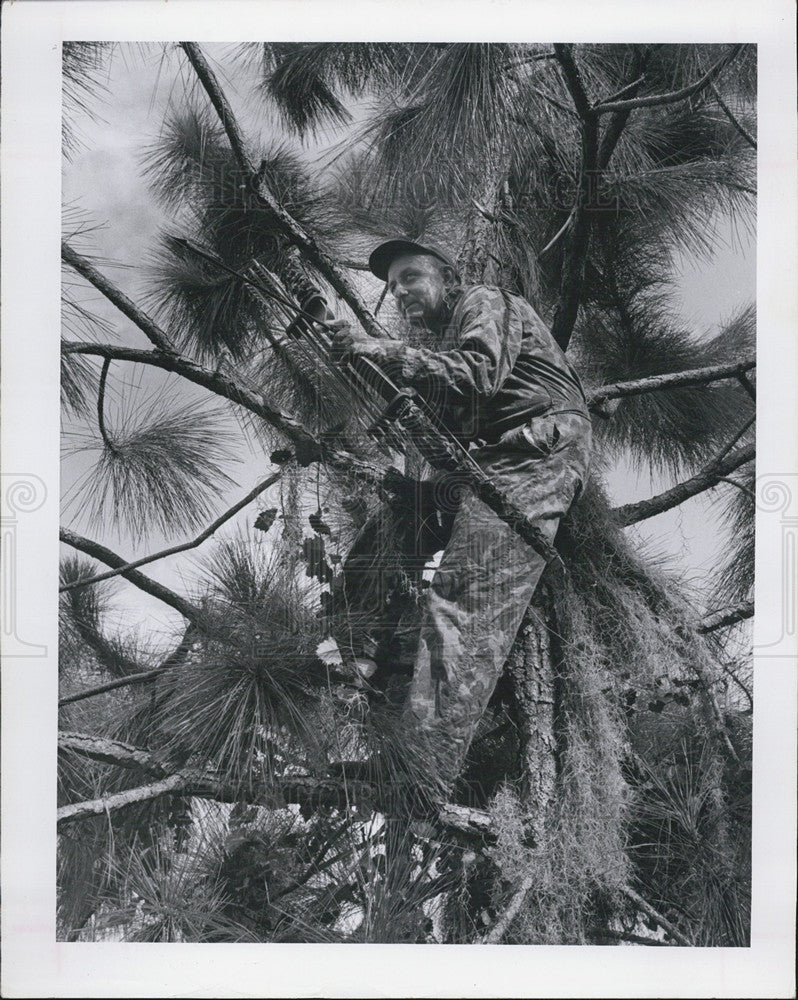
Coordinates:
<point>488,342</point>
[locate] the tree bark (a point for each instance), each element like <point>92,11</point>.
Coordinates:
<point>532,674</point>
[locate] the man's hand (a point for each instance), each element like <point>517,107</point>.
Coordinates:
<point>348,341</point>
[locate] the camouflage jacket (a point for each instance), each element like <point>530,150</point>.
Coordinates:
<point>498,366</point>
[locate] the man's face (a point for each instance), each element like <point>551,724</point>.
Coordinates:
<point>419,283</point>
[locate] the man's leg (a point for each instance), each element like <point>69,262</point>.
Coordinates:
<point>472,613</point>
<point>485,581</point>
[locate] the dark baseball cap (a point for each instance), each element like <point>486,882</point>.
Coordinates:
<point>384,255</point>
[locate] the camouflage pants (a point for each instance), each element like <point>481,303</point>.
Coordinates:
<point>461,632</point>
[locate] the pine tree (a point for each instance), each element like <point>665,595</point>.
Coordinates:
<point>606,793</point>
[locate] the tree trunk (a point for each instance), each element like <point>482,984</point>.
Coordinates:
<point>533,678</point>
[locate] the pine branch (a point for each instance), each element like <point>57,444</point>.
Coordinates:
<point>499,929</point>
<point>141,678</point>
<point>732,117</point>
<point>97,551</point>
<point>101,406</point>
<point>85,268</point>
<point>617,122</point>
<point>303,790</point>
<point>175,784</point>
<point>740,486</point>
<point>573,79</point>
<point>708,477</point>
<point>307,448</point>
<point>577,244</point>
<point>656,100</point>
<point>748,385</point>
<point>183,546</point>
<point>106,750</point>
<point>175,658</point>
<point>293,231</point>
<point>727,616</point>
<point>657,917</point>
<point>106,652</point>
<point>673,380</point>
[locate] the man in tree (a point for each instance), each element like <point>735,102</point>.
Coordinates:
<point>502,385</point>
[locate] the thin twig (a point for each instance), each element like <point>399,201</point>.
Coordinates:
<point>175,658</point>
<point>127,681</point>
<point>733,675</point>
<point>183,546</point>
<point>740,486</point>
<point>553,101</point>
<point>152,587</point>
<point>109,444</point>
<point>732,117</point>
<point>557,235</point>
<point>655,100</point>
<point>627,89</point>
<point>526,60</point>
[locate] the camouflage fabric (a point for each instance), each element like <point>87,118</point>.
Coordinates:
<point>497,366</point>
<point>487,575</point>
<point>503,385</point>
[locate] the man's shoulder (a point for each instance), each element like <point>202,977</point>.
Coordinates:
<point>498,298</point>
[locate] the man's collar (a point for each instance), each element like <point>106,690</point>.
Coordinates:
<point>448,306</point>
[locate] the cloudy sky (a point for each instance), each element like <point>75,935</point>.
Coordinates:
<point>103,179</point>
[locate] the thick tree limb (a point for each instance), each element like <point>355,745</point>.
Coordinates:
<point>673,380</point>
<point>727,616</point>
<point>657,917</point>
<point>299,789</point>
<point>183,546</point>
<point>174,784</point>
<point>732,117</point>
<point>708,477</point>
<point>573,79</point>
<point>110,751</point>
<point>578,240</point>
<point>292,230</point>
<point>307,447</point>
<point>655,100</point>
<point>85,268</point>
<point>97,551</point>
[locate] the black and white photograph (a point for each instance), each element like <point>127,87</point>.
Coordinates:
<point>409,498</point>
